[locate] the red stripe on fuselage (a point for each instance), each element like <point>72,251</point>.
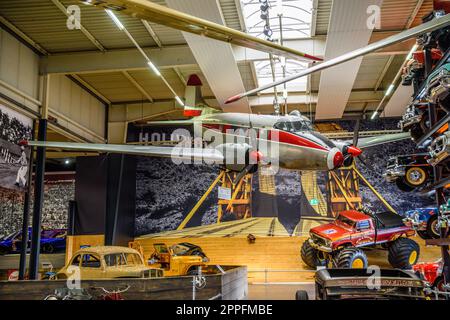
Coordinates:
<point>283,137</point>
<point>287,137</point>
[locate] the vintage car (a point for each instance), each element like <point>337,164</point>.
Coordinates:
<point>52,240</point>
<point>344,284</point>
<point>432,273</point>
<point>424,220</point>
<point>179,259</point>
<point>107,262</point>
<point>439,149</point>
<point>339,244</point>
<point>409,171</point>
<point>438,86</point>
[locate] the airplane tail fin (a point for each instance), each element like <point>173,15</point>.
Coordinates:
<point>195,104</point>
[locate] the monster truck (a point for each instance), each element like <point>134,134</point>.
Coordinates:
<point>339,244</point>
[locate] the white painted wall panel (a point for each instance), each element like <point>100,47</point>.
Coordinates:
<point>75,108</point>
<point>19,65</point>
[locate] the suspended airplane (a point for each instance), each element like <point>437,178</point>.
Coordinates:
<point>297,145</point>
<point>241,141</point>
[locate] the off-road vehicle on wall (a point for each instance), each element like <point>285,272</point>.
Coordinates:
<point>339,244</point>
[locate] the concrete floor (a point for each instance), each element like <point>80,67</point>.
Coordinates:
<point>284,291</point>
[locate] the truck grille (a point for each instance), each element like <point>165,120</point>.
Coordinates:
<point>318,240</point>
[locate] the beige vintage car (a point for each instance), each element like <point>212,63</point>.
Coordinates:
<point>107,262</point>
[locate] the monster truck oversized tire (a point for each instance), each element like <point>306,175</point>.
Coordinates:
<point>403,253</point>
<point>351,258</point>
<point>310,256</point>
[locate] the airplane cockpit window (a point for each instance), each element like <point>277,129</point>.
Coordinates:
<point>294,126</point>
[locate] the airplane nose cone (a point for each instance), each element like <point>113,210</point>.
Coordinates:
<point>354,151</point>
<point>335,158</point>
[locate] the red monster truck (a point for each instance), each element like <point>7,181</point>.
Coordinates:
<point>339,243</point>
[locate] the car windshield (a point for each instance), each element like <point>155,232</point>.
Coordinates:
<point>11,235</point>
<point>294,126</point>
<point>344,220</point>
<point>122,259</point>
<point>179,249</point>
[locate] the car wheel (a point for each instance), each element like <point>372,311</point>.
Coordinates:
<point>301,295</point>
<point>423,234</point>
<point>403,253</point>
<point>48,248</point>
<point>351,258</point>
<point>432,227</point>
<point>401,184</point>
<point>192,272</point>
<point>313,258</point>
<point>416,176</point>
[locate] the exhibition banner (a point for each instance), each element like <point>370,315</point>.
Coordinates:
<point>14,155</point>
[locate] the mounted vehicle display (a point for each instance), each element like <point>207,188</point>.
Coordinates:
<point>438,86</point>
<point>344,284</point>
<point>409,171</point>
<point>340,243</point>
<point>439,149</point>
<point>108,262</point>
<point>179,259</point>
<point>424,221</point>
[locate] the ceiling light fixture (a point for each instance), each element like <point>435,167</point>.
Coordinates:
<point>115,19</point>
<point>153,67</point>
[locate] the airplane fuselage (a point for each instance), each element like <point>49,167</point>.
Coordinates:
<point>288,141</point>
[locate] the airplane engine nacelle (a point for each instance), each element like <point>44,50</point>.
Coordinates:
<point>237,156</point>
<point>349,152</point>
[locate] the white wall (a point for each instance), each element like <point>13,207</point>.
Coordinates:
<point>76,109</point>
<point>19,71</point>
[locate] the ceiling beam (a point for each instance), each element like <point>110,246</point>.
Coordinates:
<point>383,72</point>
<point>88,35</point>
<point>137,85</point>
<point>178,55</point>
<point>26,39</point>
<point>152,33</point>
<point>116,60</point>
<point>180,76</point>
<point>82,83</point>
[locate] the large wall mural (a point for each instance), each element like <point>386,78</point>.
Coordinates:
<point>166,192</point>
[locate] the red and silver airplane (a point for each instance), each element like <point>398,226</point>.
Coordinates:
<point>237,140</point>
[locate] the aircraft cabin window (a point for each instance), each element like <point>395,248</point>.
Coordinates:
<point>293,126</point>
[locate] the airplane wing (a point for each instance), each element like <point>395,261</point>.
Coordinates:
<point>147,10</point>
<point>402,36</point>
<point>196,154</point>
<point>381,139</point>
